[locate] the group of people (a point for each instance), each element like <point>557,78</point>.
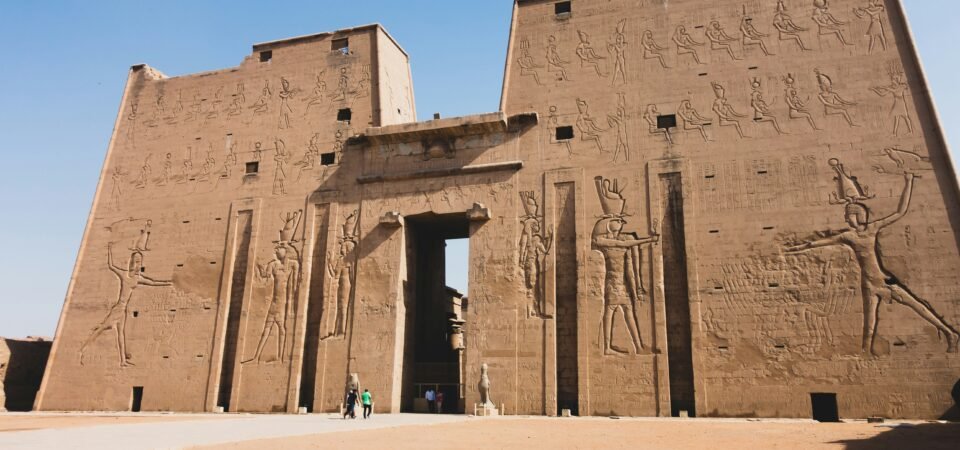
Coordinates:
<point>434,400</point>
<point>353,399</point>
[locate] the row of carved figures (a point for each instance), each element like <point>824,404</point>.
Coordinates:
<point>591,129</point>
<point>271,101</point>
<point>719,39</point>
<point>212,170</point>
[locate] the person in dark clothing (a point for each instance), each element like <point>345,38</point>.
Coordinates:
<point>352,400</point>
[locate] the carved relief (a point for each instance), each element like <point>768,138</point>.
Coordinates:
<point>623,287</point>
<point>310,156</point>
<point>187,168</point>
<point>283,277</point>
<point>618,121</point>
<point>343,86</point>
<point>875,32</point>
<point>319,93</point>
<point>167,171</point>
<point>877,283</point>
<point>685,43</point>
<point>281,157</point>
<point>131,277</point>
<point>786,27</point>
<point>589,57</point>
<point>159,108</point>
<point>752,36</point>
<point>651,49</point>
<point>587,125</point>
<point>827,24</point>
<point>144,177</point>
<point>117,191</point>
<point>903,161</point>
<point>692,120</point>
<point>238,100</point>
<point>527,66</point>
<point>285,94</point>
<point>761,110</point>
<point>553,122</point>
<point>849,189</point>
<point>725,113</point>
<point>833,103</point>
<point>650,115</point>
<point>797,105</point>
<point>217,101</point>
<point>362,89</point>
<point>719,40</point>
<point>341,269</point>
<point>556,64</point>
<point>898,90</point>
<point>262,105</point>
<point>534,248</point>
<point>617,49</point>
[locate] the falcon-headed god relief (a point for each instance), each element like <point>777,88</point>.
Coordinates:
<point>622,283</point>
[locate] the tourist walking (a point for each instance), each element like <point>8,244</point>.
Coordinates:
<point>431,397</point>
<point>367,399</point>
<point>439,402</point>
<point>351,405</point>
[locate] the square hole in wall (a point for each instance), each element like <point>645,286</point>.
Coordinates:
<point>341,45</point>
<point>344,115</point>
<point>667,121</point>
<point>564,133</point>
<point>252,167</point>
<point>562,8</point>
<point>266,56</point>
<point>328,159</point>
<point>825,407</point>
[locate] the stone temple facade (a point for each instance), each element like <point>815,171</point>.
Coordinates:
<point>712,208</point>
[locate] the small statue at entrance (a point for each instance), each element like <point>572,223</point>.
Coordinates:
<point>484,388</point>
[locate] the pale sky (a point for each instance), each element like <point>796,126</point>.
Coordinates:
<point>65,63</point>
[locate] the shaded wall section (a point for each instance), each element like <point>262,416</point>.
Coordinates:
<point>22,363</point>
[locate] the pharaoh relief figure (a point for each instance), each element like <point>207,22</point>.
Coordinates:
<point>728,117</point>
<point>623,289</point>
<point>719,40</point>
<point>534,248</point>
<point>796,104</point>
<point>341,269</point>
<point>833,103</point>
<point>898,89</point>
<point>752,36</point>
<point>827,24</point>
<point>556,64</point>
<point>875,32</point>
<point>651,49</point>
<point>692,120</point>
<point>589,57</point>
<point>283,277</point>
<point>761,110</point>
<point>686,45</point>
<point>131,277</point>
<point>862,237</point>
<point>787,29</point>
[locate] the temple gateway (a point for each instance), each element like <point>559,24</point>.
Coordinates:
<point>684,207</point>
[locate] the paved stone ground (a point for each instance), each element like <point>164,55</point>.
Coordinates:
<point>281,432</point>
<point>177,431</point>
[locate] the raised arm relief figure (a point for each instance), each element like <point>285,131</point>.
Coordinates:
<point>876,283</point>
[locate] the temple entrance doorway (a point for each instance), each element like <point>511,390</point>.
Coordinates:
<point>433,356</point>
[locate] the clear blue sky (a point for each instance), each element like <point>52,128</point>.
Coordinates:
<point>64,64</point>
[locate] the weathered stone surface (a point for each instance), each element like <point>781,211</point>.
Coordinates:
<point>686,207</point>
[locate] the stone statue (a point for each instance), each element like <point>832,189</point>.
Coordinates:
<point>484,387</point>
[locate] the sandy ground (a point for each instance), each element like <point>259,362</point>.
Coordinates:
<point>528,433</point>
<point>10,422</point>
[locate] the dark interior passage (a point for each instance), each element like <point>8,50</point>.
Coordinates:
<point>431,360</point>
<point>676,297</point>
<point>311,347</point>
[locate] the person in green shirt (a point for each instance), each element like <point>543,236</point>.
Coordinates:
<point>367,399</point>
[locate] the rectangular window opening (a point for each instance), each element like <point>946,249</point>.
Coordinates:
<point>564,133</point>
<point>341,45</point>
<point>266,56</point>
<point>344,115</point>
<point>562,8</point>
<point>328,159</point>
<point>252,168</point>
<point>667,121</point>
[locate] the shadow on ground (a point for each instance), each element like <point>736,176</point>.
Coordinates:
<point>926,436</point>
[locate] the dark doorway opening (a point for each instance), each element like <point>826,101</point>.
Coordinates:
<point>676,297</point>
<point>825,407</point>
<point>434,314</point>
<point>137,399</point>
<point>568,377</point>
